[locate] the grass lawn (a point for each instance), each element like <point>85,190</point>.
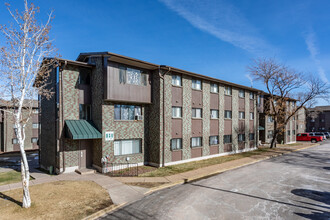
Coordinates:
<point>56,200</point>
<point>10,177</point>
<point>180,168</point>
<point>146,184</point>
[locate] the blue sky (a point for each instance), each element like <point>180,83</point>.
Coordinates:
<point>211,37</point>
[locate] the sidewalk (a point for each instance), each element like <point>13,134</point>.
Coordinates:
<point>212,170</point>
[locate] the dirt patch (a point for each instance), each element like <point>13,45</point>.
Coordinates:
<point>56,200</point>
<point>134,171</point>
<point>146,184</point>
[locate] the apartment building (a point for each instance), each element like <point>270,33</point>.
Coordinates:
<point>301,120</point>
<point>266,124</point>
<point>110,108</point>
<point>318,118</point>
<point>8,139</point>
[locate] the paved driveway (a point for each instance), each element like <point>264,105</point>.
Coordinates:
<point>293,186</point>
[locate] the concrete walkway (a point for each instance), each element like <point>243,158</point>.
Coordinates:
<point>119,192</point>
<point>216,169</point>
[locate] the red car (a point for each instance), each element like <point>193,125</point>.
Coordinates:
<point>308,137</point>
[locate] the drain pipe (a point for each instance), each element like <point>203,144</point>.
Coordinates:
<point>162,76</point>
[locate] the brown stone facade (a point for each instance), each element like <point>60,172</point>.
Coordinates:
<point>155,129</point>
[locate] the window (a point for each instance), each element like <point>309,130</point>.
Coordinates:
<point>176,144</point>
<point>196,84</point>
<point>35,111</point>
<point>251,95</point>
<point>270,134</point>
<point>228,90</point>
<point>312,120</point>
<point>214,114</point>
<point>35,125</point>
<point>132,76</point>
<point>241,115</point>
<point>251,116</point>
<point>15,141</point>
<point>227,114</point>
<point>196,142</point>
<point>259,100</point>
<point>176,80</point>
<point>251,136</point>
<point>293,132</point>
<point>227,139</point>
<point>176,112</point>
<point>124,147</point>
<point>214,88</point>
<point>85,111</point>
<point>84,77</point>
<point>241,137</point>
<point>128,112</point>
<point>270,119</point>
<point>34,140</point>
<point>293,118</point>
<point>214,140</point>
<point>288,132</point>
<point>197,113</point>
<point>241,93</point>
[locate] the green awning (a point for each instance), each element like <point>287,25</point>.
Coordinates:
<point>261,128</point>
<point>81,129</point>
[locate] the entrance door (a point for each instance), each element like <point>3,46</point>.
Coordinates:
<point>85,153</point>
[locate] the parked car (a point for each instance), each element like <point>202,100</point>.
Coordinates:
<point>327,134</point>
<point>308,137</point>
<point>319,134</point>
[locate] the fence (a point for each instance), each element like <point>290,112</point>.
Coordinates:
<point>121,169</point>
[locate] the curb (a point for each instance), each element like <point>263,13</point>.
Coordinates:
<point>189,180</point>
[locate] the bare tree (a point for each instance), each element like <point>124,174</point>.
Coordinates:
<point>21,57</point>
<point>285,84</point>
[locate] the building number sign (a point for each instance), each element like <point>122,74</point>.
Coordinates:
<point>109,136</point>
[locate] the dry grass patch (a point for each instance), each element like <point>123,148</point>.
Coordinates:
<point>146,184</point>
<point>56,200</point>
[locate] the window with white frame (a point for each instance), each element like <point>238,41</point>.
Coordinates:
<point>128,112</point>
<point>35,125</point>
<point>132,76</point>
<point>251,116</point>
<point>241,115</point>
<point>214,140</point>
<point>270,119</point>
<point>228,90</point>
<point>270,134</point>
<point>176,112</point>
<point>176,80</point>
<point>227,139</point>
<point>227,114</point>
<point>196,142</point>
<point>14,141</point>
<point>241,137</point>
<point>125,147</point>
<point>176,143</point>
<point>34,140</point>
<point>214,114</point>
<point>196,84</point>
<point>251,95</point>
<point>241,93</point>
<point>251,136</point>
<point>214,88</point>
<point>197,113</point>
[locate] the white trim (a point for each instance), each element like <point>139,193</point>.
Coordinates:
<point>291,142</point>
<point>210,156</point>
<point>69,169</point>
<point>106,169</point>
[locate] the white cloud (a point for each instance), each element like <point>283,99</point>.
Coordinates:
<point>310,40</point>
<point>221,20</point>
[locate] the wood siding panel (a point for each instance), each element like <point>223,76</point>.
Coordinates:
<point>241,104</point>
<point>196,127</point>
<point>228,102</point>
<point>214,149</point>
<point>228,147</point>
<point>115,91</point>
<point>251,105</point>
<point>196,99</point>
<point>228,127</point>
<point>196,152</point>
<point>214,127</point>
<point>176,96</point>
<point>176,155</point>
<point>176,128</point>
<point>214,101</point>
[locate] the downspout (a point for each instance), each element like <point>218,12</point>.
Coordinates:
<point>163,77</point>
